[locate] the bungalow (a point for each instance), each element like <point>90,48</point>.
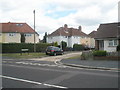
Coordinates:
<point>69,35</point>
<point>13,33</point>
<point>107,37</point>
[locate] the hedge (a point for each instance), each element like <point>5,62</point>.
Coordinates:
<point>99,53</point>
<point>16,47</point>
<point>78,47</point>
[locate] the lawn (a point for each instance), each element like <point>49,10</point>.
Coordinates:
<point>24,55</point>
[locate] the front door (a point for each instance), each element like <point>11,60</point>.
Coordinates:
<point>101,45</point>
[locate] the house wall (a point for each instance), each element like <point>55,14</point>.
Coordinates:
<point>109,48</point>
<point>29,38</point>
<point>53,39</point>
<point>6,38</point>
<point>1,37</point>
<point>90,42</point>
<point>75,40</point>
<point>57,39</point>
<point>69,40</point>
<point>16,38</point>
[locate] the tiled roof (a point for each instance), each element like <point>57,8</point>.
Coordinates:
<point>16,27</point>
<point>68,32</point>
<point>92,34</point>
<point>109,30</point>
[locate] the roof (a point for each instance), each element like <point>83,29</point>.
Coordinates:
<point>16,27</point>
<point>92,34</point>
<point>109,30</point>
<point>64,31</point>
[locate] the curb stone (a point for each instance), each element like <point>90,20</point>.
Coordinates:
<point>88,67</point>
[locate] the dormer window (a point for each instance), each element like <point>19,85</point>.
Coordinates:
<point>19,24</point>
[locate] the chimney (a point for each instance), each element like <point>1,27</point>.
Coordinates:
<point>65,26</point>
<point>80,28</point>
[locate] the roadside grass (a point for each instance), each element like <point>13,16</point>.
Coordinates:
<point>74,57</point>
<point>24,55</point>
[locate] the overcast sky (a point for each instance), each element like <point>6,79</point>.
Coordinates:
<point>52,14</point>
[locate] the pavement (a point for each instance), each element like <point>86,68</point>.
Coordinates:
<point>92,64</point>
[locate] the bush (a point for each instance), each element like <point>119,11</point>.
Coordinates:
<point>16,47</point>
<point>68,49</point>
<point>55,44</point>
<point>99,53</point>
<point>78,47</point>
<point>118,48</point>
<point>87,55</point>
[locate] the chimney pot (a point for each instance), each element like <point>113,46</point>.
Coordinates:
<point>80,28</point>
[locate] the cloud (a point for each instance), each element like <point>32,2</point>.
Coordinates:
<point>52,14</point>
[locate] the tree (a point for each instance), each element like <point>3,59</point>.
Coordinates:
<point>22,38</point>
<point>45,38</point>
<point>56,44</point>
<point>64,45</point>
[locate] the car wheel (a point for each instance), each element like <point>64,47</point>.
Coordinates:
<point>46,53</point>
<point>55,54</point>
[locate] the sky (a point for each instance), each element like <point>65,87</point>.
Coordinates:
<point>52,14</point>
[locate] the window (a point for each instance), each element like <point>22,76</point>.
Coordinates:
<point>19,24</point>
<point>11,34</point>
<point>65,36</point>
<point>28,35</point>
<point>113,43</point>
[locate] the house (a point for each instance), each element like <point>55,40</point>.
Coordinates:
<point>92,39</point>
<point>13,33</point>
<point>69,35</point>
<point>89,41</point>
<point>107,37</point>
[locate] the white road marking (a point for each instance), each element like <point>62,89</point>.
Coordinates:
<point>33,82</point>
<point>51,65</point>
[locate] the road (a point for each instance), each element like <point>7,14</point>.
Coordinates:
<point>45,74</point>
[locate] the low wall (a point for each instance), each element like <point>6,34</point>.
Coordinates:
<point>88,55</point>
<point>106,58</point>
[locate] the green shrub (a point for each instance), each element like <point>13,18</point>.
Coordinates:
<point>118,48</point>
<point>56,44</point>
<point>99,53</point>
<point>78,47</point>
<point>41,47</point>
<point>87,55</point>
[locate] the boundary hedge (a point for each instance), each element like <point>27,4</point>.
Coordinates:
<point>16,47</point>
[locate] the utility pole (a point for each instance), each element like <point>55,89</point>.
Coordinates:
<point>60,40</point>
<point>34,32</point>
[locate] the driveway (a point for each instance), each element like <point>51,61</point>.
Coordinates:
<point>57,58</point>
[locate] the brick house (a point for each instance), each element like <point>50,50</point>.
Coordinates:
<point>11,33</point>
<point>107,37</point>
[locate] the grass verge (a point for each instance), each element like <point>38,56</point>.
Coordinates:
<point>74,57</point>
<point>24,55</point>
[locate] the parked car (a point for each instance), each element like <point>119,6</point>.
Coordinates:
<point>52,50</point>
